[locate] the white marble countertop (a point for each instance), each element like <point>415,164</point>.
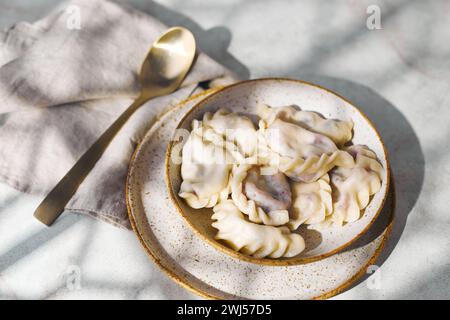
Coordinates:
<point>399,75</point>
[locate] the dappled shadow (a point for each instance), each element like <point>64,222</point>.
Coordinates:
<point>8,201</point>
<point>214,42</point>
<point>65,131</point>
<point>164,288</point>
<point>404,149</point>
<point>3,118</point>
<point>432,285</point>
<point>332,43</point>
<point>404,152</point>
<point>34,241</point>
<point>67,123</point>
<point>402,144</point>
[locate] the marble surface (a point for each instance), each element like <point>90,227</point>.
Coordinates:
<point>399,75</point>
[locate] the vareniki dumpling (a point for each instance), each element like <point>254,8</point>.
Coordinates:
<point>299,153</point>
<point>236,132</point>
<point>205,171</point>
<point>263,198</point>
<point>264,182</point>
<point>254,239</point>
<point>354,186</point>
<point>337,130</point>
<point>270,191</point>
<point>312,202</point>
<point>290,140</point>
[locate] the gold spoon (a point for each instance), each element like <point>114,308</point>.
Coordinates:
<point>162,72</point>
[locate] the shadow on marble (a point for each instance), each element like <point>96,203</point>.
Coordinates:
<point>160,288</point>
<point>214,42</point>
<point>428,286</point>
<point>404,150</point>
<point>36,240</point>
<point>3,118</point>
<point>8,201</point>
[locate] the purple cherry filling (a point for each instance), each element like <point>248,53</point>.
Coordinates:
<point>270,192</point>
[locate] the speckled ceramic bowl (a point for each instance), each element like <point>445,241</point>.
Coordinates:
<point>242,98</point>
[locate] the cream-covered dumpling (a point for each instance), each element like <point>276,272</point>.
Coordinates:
<point>254,239</point>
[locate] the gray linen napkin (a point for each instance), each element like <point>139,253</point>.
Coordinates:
<point>61,86</point>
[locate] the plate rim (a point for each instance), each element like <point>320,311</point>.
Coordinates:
<point>265,261</point>
<point>184,284</point>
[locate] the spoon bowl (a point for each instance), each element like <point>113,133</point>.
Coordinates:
<point>167,62</point>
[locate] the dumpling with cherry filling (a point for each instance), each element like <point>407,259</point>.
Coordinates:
<point>264,197</point>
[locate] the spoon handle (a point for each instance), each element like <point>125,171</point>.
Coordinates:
<point>53,204</point>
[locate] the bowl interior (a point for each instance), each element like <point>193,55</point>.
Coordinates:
<point>243,98</point>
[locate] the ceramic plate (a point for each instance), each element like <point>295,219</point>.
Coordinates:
<point>242,98</point>
<point>199,267</point>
